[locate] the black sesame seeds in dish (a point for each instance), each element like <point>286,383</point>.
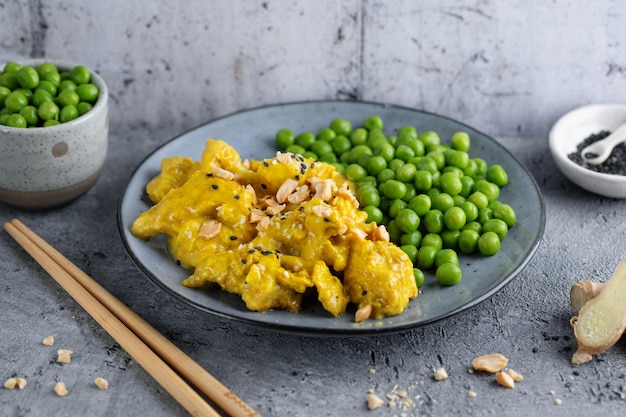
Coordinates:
<point>615,163</point>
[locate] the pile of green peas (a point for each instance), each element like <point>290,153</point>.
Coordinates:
<point>44,95</point>
<point>435,200</point>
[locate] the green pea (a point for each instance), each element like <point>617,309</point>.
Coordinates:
<point>16,120</point>
<point>410,192</point>
<point>83,108</point>
<point>396,164</point>
<point>341,127</point>
<point>45,68</point>
<point>88,92</point>
<point>16,101</point>
<point>295,149</point>
<point>9,80</point>
<point>359,150</point>
<point>373,122</point>
<point>442,202</point>
<point>420,204</point>
<point>470,209</point>
<point>385,150</point>
<point>385,175</point>
<point>375,165</point>
<point>369,197</point>
<point>412,238</point>
<point>283,138</point>
<point>4,118</point>
<point>439,158</point>
<point>12,67</point>
<point>48,111</point>
<point>358,136</point>
<point>28,77</point>
<point>420,278</point>
<point>479,199</point>
<point>456,158</point>
<point>423,180</point>
<point>433,221</point>
<point>450,238</point>
<point>4,93</point>
<point>53,77</point>
<point>47,86</point>
<point>355,172</point>
<point>481,166</point>
<point>426,257</point>
<point>497,175</point>
<point>40,96</point>
<point>497,226</point>
<point>430,138</point>
<point>450,183</point>
<point>471,169</point>
<point>51,122</point>
<point>80,74</point>
<point>484,215</point>
<point>329,157</point>
<point>321,147</point>
<point>67,85</point>
<point>29,113</point>
<point>326,134</point>
<point>454,218</point>
<point>305,139</point>
<point>396,207</point>
<point>426,164</point>
<point>406,173</point>
<point>473,225</point>
<point>340,144</point>
<point>506,213</point>
<point>394,189</point>
<point>68,98</point>
<point>446,256</point>
<point>374,214</point>
<point>467,186</point>
<point>404,153</point>
<point>448,274</point>
<point>460,141</point>
<point>407,220</point>
<point>68,113</point>
<point>489,243</point>
<point>468,241</point>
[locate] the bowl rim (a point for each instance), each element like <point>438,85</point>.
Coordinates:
<point>563,158</point>
<point>100,103</point>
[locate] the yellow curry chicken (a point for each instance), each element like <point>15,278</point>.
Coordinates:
<point>271,230</point>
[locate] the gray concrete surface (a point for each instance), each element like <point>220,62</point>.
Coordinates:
<point>286,375</point>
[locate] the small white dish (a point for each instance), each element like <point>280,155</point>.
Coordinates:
<point>573,128</point>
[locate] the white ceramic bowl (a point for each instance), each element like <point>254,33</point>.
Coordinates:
<point>573,128</point>
<point>45,167</point>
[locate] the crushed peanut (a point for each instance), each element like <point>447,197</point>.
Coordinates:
<point>60,389</point>
<point>64,355</point>
<point>48,341</point>
<point>222,173</point>
<point>10,383</point>
<point>381,233</point>
<point>374,401</point>
<point>299,195</point>
<point>286,188</point>
<point>440,374</point>
<point>322,211</point>
<point>492,363</point>
<point>514,375</point>
<point>101,383</point>
<point>21,383</point>
<point>209,229</point>
<point>363,313</point>
<point>505,380</point>
<point>471,394</point>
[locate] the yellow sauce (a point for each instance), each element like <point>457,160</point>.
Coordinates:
<point>273,229</point>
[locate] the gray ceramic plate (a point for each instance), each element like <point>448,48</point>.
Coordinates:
<point>251,132</point>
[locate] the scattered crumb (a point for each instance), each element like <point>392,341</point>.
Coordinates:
<point>517,377</point>
<point>552,392</point>
<point>48,341</point>
<point>64,356</point>
<point>101,383</point>
<point>440,374</point>
<point>372,371</point>
<point>60,389</point>
<point>471,394</point>
<point>374,401</point>
<point>505,380</point>
<point>10,383</point>
<point>558,401</point>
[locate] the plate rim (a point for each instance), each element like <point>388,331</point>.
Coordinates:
<point>329,331</point>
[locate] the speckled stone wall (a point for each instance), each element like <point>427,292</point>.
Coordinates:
<point>508,68</point>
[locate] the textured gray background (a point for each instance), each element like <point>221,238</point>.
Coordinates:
<point>508,68</point>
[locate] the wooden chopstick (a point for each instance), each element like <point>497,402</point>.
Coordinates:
<point>144,343</point>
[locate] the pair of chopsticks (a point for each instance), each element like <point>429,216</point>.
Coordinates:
<point>165,362</point>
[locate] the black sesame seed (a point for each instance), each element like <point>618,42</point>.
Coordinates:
<point>214,186</point>
<point>209,174</point>
<point>251,251</point>
<point>326,219</point>
<point>266,252</point>
<point>233,238</point>
<point>264,186</point>
<point>266,163</point>
<point>237,197</point>
<point>177,262</point>
<point>243,261</point>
